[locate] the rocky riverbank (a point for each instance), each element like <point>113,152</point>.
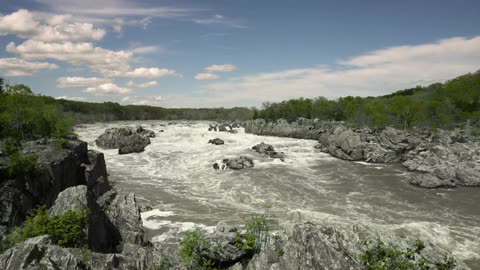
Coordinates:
<point>435,159</point>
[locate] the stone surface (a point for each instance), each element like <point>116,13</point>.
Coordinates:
<point>441,159</point>
<point>216,141</point>
<point>126,139</point>
<point>234,163</point>
<point>268,150</point>
<point>57,168</point>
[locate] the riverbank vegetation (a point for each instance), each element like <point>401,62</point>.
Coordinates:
<point>456,102</point>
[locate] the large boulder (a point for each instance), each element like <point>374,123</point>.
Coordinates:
<point>124,213</point>
<point>40,253</point>
<point>268,150</point>
<point>234,163</point>
<point>126,139</point>
<point>102,235</point>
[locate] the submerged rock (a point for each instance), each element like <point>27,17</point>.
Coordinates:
<point>216,141</point>
<point>127,139</point>
<point>267,150</point>
<point>234,163</point>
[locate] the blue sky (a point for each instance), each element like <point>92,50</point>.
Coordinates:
<point>233,53</point>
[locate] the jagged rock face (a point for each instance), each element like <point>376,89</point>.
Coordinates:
<point>124,213</point>
<point>235,163</point>
<point>57,168</point>
<point>102,235</point>
<point>216,141</point>
<point>446,164</point>
<point>329,246</point>
<point>96,173</point>
<point>126,139</point>
<point>39,253</point>
<point>268,150</point>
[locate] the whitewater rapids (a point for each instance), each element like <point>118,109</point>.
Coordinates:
<point>175,176</point>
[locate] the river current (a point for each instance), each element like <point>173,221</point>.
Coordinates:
<point>175,176</point>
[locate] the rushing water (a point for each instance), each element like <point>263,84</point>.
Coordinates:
<point>176,177</point>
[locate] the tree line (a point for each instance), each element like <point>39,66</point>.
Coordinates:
<point>453,103</point>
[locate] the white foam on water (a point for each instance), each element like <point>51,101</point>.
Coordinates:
<point>175,173</point>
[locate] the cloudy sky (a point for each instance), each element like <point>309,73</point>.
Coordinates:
<point>234,53</point>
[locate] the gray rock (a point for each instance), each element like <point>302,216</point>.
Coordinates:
<point>236,163</point>
<point>127,139</point>
<point>124,213</point>
<point>268,150</point>
<point>216,141</point>
<point>102,235</point>
<point>39,253</point>
<point>96,173</point>
<point>57,168</point>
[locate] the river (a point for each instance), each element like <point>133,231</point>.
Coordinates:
<point>175,176</point>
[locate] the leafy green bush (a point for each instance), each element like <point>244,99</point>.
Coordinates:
<point>192,246</point>
<point>19,164</point>
<point>380,257</point>
<point>67,228</point>
<point>255,236</point>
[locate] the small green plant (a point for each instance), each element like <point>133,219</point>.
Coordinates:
<point>193,246</point>
<point>255,236</point>
<point>378,256</point>
<point>280,251</point>
<point>163,264</point>
<point>86,254</point>
<point>67,228</point>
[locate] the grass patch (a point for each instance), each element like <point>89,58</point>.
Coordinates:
<point>192,247</point>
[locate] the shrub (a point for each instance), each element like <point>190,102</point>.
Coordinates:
<point>380,257</point>
<point>255,236</point>
<point>19,164</point>
<point>192,247</point>
<point>67,228</point>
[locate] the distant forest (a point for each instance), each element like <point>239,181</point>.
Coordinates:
<point>454,103</point>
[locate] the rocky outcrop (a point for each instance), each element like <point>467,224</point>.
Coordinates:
<point>56,169</point>
<point>329,246</point>
<point>445,164</point>
<point>234,163</point>
<point>268,150</point>
<point>126,139</point>
<point>113,234</point>
<point>435,159</point>
<point>216,141</point>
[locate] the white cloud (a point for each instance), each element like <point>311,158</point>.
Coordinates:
<point>20,67</point>
<point>72,98</point>
<point>145,49</point>
<point>80,82</point>
<point>221,68</point>
<point>113,8</point>
<point>103,61</point>
<point>375,73</point>
<point>106,62</point>
<point>149,72</point>
<point>219,19</point>
<point>18,23</point>
<point>206,76</point>
<point>142,85</point>
<point>108,89</point>
<point>28,25</point>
